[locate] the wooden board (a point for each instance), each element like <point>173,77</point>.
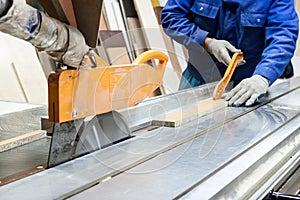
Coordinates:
<point>68,9</point>
<point>187,114</point>
<point>54,9</point>
<point>169,42</point>
<point>136,36</point>
<point>115,47</point>
<point>21,140</point>
<point>115,21</point>
<point>87,14</point>
<point>155,41</point>
<point>22,77</point>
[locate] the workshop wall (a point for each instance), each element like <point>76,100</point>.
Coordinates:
<point>22,77</point>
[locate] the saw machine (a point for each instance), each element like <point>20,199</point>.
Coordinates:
<point>108,142</point>
<point>221,153</point>
<point>94,90</point>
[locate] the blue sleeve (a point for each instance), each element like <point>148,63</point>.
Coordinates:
<point>281,35</point>
<point>177,23</point>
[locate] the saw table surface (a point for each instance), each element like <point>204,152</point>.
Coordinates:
<point>232,153</point>
<point>20,155</point>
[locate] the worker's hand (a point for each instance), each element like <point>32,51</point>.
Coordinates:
<point>220,48</point>
<point>248,91</point>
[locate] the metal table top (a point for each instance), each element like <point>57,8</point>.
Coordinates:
<point>177,162</point>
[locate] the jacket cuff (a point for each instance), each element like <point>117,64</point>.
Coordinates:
<point>200,36</point>
<point>269,74</point>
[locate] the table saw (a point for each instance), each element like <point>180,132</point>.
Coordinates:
<point>230,153</point>
<point>106,142</point>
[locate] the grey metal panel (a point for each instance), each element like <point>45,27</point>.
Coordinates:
<point>291,101</point>
<point>19,118</point>
<point>24,157</point>
<point>78,137</point>
<point>172,173</point>
<point>255,173</point>
<point>141,115</point>
<point>76,175</point>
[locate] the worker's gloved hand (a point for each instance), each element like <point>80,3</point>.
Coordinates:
<point>62,42</point>
<point>248,91</point>
<point>220,48</point>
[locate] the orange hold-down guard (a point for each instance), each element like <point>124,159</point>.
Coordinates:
<point>88,91</point>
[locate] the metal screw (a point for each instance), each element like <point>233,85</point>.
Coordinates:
<point>258,20</point>
<point>74,113</point>
<point>201,8</point>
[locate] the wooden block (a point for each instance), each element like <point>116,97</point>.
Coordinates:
<point>189,113</point>
<point>155,40</point>
<point>116,21</point>
<point>136,36</point>
<point>103,24</point>
<point>115,47</point>
<point>21,140</point>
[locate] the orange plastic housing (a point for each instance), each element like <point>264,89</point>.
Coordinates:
<point>86,91</point>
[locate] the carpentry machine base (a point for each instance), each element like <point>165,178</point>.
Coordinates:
<point>230,153</point>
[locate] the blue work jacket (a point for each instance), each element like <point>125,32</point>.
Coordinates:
<point>265,30</point>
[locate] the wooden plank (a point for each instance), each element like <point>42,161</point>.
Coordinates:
<point>115,47</point>
<point>155,3</point>
<point>136,36</point>
<point>27,72</point>
<point>128,9</point>
<point>68,9</point>
<point>169,43</point>
<point>19,81</point>
<point>190,113</point>
<point>21,140</point>
<point>34,90</point>
<point>155,40</point>
<point>115,21</point>
<point>103,24</point>
<point>87,15</point>
<point>113,15</point>
<point>54,9</point>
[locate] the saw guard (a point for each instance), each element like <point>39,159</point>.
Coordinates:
<point>74,94</point>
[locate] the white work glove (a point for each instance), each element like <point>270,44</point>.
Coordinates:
<point>220,48</point>
<point>248,91</point>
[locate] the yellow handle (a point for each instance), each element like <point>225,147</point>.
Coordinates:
<point>153,54</point>
<point>236,58</point>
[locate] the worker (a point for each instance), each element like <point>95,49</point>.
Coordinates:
<point>265,31</point>
<point>64,43</point>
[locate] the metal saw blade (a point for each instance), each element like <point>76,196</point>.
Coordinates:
<point>79,137</point>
